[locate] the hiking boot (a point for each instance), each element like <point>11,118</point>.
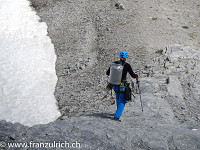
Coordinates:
<point>116,119</point>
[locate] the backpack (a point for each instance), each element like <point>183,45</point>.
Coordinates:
<point>116,70</point>
<point>127,93</point>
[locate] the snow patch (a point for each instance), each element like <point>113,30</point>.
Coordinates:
<point>27,66</point>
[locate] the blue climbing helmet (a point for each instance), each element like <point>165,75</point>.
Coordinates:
<point>123,54</point>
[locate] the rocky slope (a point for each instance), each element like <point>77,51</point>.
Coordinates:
<point>87,36</point>
<point>169,121</point>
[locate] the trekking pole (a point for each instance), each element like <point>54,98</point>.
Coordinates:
<point>106,94</point>
<point>139,94</point>
<point>109,88</point>
<point>133,88</point>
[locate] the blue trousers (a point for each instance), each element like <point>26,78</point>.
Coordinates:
<point>120,101</point>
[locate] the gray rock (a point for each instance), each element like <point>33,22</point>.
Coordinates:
<point>119,6</point>
<point>12,136</point>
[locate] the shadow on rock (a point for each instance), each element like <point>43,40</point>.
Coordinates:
<point>102,115</point>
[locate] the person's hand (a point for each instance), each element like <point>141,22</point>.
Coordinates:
<point>137,78</point>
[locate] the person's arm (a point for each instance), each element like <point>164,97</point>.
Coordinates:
<point>108,71</point>
<point>133,75</point>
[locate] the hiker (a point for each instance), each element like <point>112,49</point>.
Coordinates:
<point>119,89</point>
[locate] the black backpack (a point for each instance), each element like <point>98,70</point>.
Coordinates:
<point>127,92</point>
